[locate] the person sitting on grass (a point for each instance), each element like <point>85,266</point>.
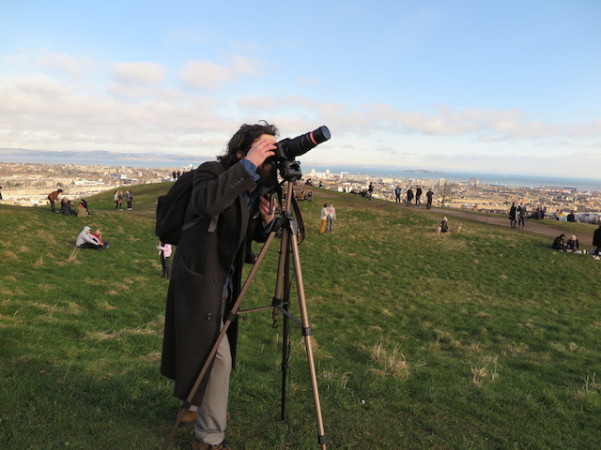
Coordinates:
<point>67,208</point>
<point>444,225</point>
<point>559,243</point>
<point>86,240</point>
<point>98,235</point>
<point>572,244</point>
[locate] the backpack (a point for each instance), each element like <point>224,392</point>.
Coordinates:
<point>171,209</point>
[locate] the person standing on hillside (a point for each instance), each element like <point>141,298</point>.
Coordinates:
<point>429,196</point>
<point>118,198</point>
<point>418,195</point>
<point>521,215</point>
<point>331,217</point>
<point>165,254</point>
<point>597,239</point>
<point>229,201</point>
<point>53,197</point>
<point>129,197</point>
<point>513,215</point>
<point>409,196</point>
<point>370,189</point>
<point>323,218</point>
<point>397,194</point>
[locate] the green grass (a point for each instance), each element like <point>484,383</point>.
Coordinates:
<point>479,339</point>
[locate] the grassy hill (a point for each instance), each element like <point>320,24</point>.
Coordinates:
<point>478,339</point>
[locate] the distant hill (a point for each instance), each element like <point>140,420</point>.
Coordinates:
<point>100,157</point>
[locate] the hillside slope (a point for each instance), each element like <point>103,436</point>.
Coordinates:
<point>479,339</point>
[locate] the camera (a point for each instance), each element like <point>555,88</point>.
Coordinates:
<point>288,149</point>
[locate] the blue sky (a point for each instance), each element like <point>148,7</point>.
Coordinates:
<point>510,87</point>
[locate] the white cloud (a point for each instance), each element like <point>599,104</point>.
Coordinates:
<point>138,73</point>
<point>206,75</point>
<point>44,60</point>
<point>63,62</point>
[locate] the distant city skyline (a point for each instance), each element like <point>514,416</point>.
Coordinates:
<point>171,162</point>
<point>507,87</point>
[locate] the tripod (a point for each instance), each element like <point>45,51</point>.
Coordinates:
<point>287,223</point>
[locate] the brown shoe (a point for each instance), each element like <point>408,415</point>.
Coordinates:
<point>188,419</point>
<point>197,445</point>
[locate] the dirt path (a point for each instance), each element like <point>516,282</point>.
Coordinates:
<point>532,226</point>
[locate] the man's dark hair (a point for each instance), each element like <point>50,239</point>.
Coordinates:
<point>243,139</point>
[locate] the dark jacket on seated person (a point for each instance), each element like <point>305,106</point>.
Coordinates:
<point>559,243</point>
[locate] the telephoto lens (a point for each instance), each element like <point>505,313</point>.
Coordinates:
<point>305,142</point>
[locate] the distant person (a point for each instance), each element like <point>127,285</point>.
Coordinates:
<point>82,208</point>
<point>165,254</point>
<point>67,207</point>
<point>118,198</point>
<point>370,189</point>
<point>397,194</point>
<point>513,212</point>
<point>597,240</point>
<point>521,216</point>
<point>98,235</point>
<point>572,244</point>
<point>536,214</point>
<point>559,243</point>
<point>409,196</point>
<point>444,225</point>
<point>53,197</point>
<point>174,175</point>
<point>418,196</point>
<point>330,218</point>
<point>129,197</point>
<point>323,217</point>
<point>429,196</point>
<point>179,174</point>
<point>0,192</point>
<point>86,240</point>
<point>571,217</point>
<point>320,184</point>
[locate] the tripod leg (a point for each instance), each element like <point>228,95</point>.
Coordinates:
<point>285,339</point>
<point>306,329</point>
<point>232,315</point>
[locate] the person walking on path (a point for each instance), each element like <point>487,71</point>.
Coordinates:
<point>429,196</point>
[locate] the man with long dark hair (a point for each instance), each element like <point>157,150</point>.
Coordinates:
<point>229,205</point>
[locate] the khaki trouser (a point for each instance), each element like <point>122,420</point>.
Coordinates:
<point>211,413</point>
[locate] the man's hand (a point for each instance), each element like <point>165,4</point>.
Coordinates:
<point>264,207</point>
<point>261,149</point>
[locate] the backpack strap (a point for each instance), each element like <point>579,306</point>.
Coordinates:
<point>212,224</point>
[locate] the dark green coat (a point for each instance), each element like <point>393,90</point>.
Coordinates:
<point>200,268</point>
